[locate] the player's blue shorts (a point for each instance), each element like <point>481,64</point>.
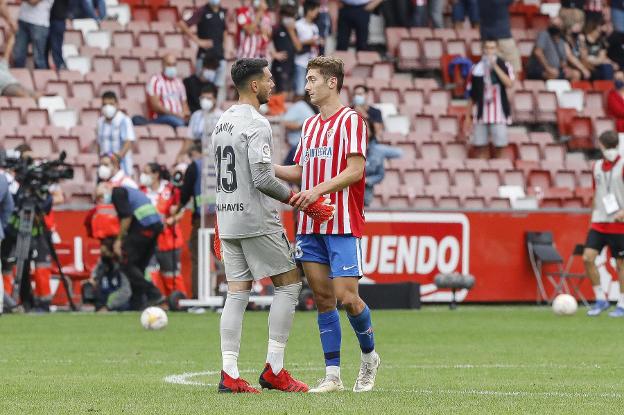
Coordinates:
<point>342,253</point>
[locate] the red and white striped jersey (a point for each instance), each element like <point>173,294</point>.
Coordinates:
<point>492,108</point>
<point>322,152</point>
<point>252,45</point>
<point>170,92</point>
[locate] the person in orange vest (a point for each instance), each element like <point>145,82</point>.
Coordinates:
<point>108,288</point>
<point>165,196</point>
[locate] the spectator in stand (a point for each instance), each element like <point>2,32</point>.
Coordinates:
<point>594,10</point>
<point>371,115</point>
<point>89,9</point>
<point>310,41</point>
<point>396,13</point>
<point>324,23</point>
<point>571,13</point>
<point>167,96</point>
<point>109,171</point>
<point>489,111</point>
<point>495,24</point>
<point>4,14</point>
<point>255,29</point>
<point>575,41</point>
<point>436,12</point>
<point>58,15</point>
<point>617,15</point>
<point>293,121</point>
<point>33,26</point>
<point>615,102</point>
<point>615,50</point>
<point>376,155</point>
<point>463,9</point>
<point>204,120</point>
<point>115,132</point>
<point>9,85</point>
<point>355,15</point>
<point>211,32</point>
<point>550,56</point>
<point>419,13</point>
<point>595,57</point>
<point>286,44</point>
<point>195,83</point>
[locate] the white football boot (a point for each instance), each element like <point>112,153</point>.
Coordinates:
<point>368,371</point>
<point>330,383</point>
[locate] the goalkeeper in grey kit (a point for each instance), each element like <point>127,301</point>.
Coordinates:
<point>252,239</point>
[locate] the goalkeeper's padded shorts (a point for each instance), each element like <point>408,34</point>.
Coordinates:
<point>343,253</point>
<point>257,257</point>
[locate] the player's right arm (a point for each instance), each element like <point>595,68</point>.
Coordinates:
<point>290,174</point>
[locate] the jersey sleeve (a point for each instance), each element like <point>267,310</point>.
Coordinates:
<point>355,135</point>
<point>259,143</point>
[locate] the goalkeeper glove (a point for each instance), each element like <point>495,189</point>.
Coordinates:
<point>320,210</point>
<point>217,243</point>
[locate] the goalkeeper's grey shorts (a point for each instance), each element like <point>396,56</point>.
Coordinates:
<point>257,257</point>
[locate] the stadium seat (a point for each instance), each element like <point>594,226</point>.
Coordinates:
<point>474,202</point>
<point>420,33</point>
<point>73,37</point>
<point>98,39</point>
<point>397,124</point>
<point>123,39</point>
<point>141,14</point>
<point>554,153</point>
<point>523,107</point>
<point>433,49</point>
<point>558,86</point>
<point>393,38</point>
<point>581,134</point>
<point>60,88</point>
<point>572,99</point>
<point>565,178</point>
<point>449,202</point>
<point>449,124</point>
<point>167,14</point>
<point>529,152</point>
<point>42,144</point>
<point>81,64</point>
<point>431,151</point>
<point>538,179</point>
<point>409,54</point>
<point>513,178</point>
<point>85,26</point>
<point>67,118</point>
<point>415,178</point>
<point>456,150</point>
<point>104,63</point>
<point>586,194</point>
<point>546,106</point>
<point>601,125</point>
<point>603,86</point>
<point>69,144</point>
<point>37,117</point>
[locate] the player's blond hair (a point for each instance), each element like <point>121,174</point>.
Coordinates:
<point>329,67</point>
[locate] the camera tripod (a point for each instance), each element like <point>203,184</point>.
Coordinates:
<point>29,213</point>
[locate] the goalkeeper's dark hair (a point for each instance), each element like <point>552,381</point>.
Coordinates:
<point>245,70</point>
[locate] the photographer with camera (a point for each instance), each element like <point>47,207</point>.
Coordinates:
<point>139,228</point>
<point>6,208</point>
<point>27,236</point>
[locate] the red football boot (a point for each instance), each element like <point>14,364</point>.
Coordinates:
<point>283,381</point>
<point>229,385</point>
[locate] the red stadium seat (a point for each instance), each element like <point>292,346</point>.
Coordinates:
<point>586,194</point>
<point>564,120</point>
<point>103,64</point>
<point>149,40</point>
<point>36,117</point>
<point>513,178</point>
<point>523,107</point>
<point>69,144</point>
<point>433,50</point>
<point>439,178</point>
<point>60,88</point>
<point>538,178</point>
<point>456,150</point>
<point>415,178</point>
<point>603,86</point>
<point>415,98</point>
<point>42,144</point>
<point>474,202</point>
<point>382,70</point>
<point>431,151</point>
<point>603,124</point>
<point>581,134</point>
<point>499,203</point>
<point>141,14</point>
<point>174,40</point>
<point>449,202</point>
<point>529,152</point>
<point>123,39</point>
<point>546,106</point>
<point>167,14</point>
<point>554,153</point>
<point>420,33</point>
<point>42,76</point>
<point>573,203</point>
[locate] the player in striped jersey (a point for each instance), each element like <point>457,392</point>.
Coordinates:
<point>330,161</point>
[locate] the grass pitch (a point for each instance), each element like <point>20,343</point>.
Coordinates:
<point>482,360</point>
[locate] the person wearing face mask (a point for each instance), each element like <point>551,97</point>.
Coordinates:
<point>195,83</point>
<point>549,59</point>
<point>488,112</point>
<point>575,42</point>
<point>167,95</point>
<point>595,57</point>
<point>607,227</point>
<point>286,44</point>
<point>308,34</point>
<point>139,228</point>
<point>210,20</point>
<point>615,102</point>
<point>109,171</point>
<point>115,132</point>
<point>255,30</point>
<point>166,198</point>
<point>203,120</point>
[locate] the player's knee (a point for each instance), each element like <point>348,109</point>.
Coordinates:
<point>589,257</point>
<point>350,300</point>
<point>324,302</point>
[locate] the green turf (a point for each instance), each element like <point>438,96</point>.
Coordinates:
<point>485,360</point>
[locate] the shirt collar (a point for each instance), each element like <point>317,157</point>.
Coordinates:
<point>608,165</point>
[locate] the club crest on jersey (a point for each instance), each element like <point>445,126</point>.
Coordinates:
<point>330,133</point>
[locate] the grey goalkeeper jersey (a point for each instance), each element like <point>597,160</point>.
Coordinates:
<point>241,138</point>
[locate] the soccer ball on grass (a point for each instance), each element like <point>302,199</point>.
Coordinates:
<point>154,318</point>
<point>564,305</point>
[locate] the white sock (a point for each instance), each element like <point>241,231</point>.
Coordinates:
<point>368,357</point>
<point>620,302</point>
<point>275,356</point>
<point>599,293</point>
<point>230,364</point>
<point>333,371</point>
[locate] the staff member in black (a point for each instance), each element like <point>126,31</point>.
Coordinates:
<point>139,227</point>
